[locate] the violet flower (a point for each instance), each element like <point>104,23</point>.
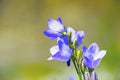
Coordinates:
<point>76,36</point>
<point>62,52</point>
<point>55,29</point>
<point>92,55</point>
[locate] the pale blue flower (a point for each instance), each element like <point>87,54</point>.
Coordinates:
<point>92,55</point>
<point>55,29</point>
<point>60,52</point>
<point>76,36</point>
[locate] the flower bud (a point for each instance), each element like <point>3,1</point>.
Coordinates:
<point>74,44</point>
<point>87,76</point>
<point>78,55</point>
<point>69,34</point>
<point>94,76</point>
<point>69,37</point>
<point>82,66</point>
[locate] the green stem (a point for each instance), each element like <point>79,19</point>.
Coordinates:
<point>76,64</point>
<point>78,73</point>
<point>80,77</point>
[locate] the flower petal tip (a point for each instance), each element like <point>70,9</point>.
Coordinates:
<point>50,58</point>
<point>59,20</point>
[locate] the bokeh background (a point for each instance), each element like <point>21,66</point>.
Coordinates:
<point>24,49</point>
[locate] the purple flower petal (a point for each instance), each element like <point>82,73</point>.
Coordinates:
<point>93,48</point>
<point>81,34</point>
<point>50,58</point>
<point>87,62</point>
<point>54,50</point>
<point>55,25</point>
<point>60,43</point>
<point>90,63</point>
<point>66,51</point>
<point>60,57</point>
<point>65,39</point>
<point>51,34</point>
<point>95,63</point>
<point>61,52</point>
<point>84,49</point>
<point>59,20</point>
<point>92,55</point>
<point>78,37</point>
<point>100,55</point>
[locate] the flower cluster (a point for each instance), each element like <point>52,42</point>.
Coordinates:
<point>66,50</point>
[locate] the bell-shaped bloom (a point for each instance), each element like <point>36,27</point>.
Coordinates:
<point>55,29</point>
<point>92,55</point>
<point>92,76</point>
<point>76,36</point>
<point>62,52</point>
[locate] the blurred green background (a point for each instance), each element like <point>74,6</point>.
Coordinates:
<point>24,49</point>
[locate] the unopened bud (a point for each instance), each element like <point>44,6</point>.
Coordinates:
<point>94,76</point>
<point>74,44</point>
<point>82,66</point>
<point>78,55</point>
<point>87,76</point>
<point>69,37</point>
<point>69,34</point>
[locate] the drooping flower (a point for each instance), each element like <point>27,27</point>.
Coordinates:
<point>92,55</point>
<point>76,36</point>
<point>55,29</point>
<point>61,52</point>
